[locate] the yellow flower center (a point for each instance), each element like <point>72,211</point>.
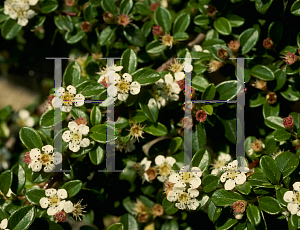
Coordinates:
<point>167,40</point>
<point>76,136</point>
<point>46,159</point>
<point>176,67</point>
<point>184,197</point>
<point>164,169</point>
<point>232,174</point>
<point>68,98</point>
<point>219,164</point>
<point>186,176</point>
<point>123,86</point>
<point>54,200</point>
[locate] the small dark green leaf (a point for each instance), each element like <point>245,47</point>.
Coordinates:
<point>181,23</point>
<point>106,36</point>
<point>138,116</point>
<point>295,9</point>
<point>117,226</point>
<point>227,90</point>
<point>291,94</point>
<point>248,40</point>
<point>72,74</point>
<point>201,20</point>
<point>89,88</point>
<point>269,205</point>
<point>146,76</point>
<point>64,23</point>
<point>148,105</point>
<point>169,207</point>
<point>126,6</point>
<point>175,144</point>
<point>262,5</point>
<point>97,155</point>
<point>213,211</point>
<point>30,138</point>
<point>156,129</point>
<point>19,179</point>
<point>22,218</point>
<point>287,162</point>
<point>129,222</point>
<point>109,6</point>
<point>223,26</point>
<point>163,18</point>
<point>155,47</point>
<point>73,187</point>
<point>235,20</point>
<point>244,188</point>
<point>210,183</point>
<point>6,179</point>
<point>95,116</point>
<point>10,29</point>
<point>222,197</point>
<point>34,195</point>
<point>48,6</point>
<point>209,93</point>
<point>274,122</point>
<point>281,135</point>
<point>98,133</point>
<point>129,61</point>
<point>270,110</point>
<point>134,35</point>
<point>270,168</point>
<point>263,73</point>
<point>253,214</point>
<point>201,159</point>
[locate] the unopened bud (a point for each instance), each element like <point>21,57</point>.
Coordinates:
<point>234,46</point>
<point>60,216</point>
<point>257,145</point>
<point>151,172</point>
<point>223,54</point>
<point>201,116</point>
<point>288,122</point>
<point>211,11</point>
<point>157,210</point>
<point>268,43</point>
<point>153,6</point>
<point>290,58</point>
<point>109,18</point>
<point>271,98</point>
<point>85,26</point>
<point>157,30</point>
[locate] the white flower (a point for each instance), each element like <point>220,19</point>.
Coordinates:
<point>220,163</point>
<point>4,158</point>
<point>168,87</point>
<point>293,199</point>
<point>198,48</point>
<point>65,99</point>
<point>55,202</point>
<point>47,159</point>
<point>126,146</point>
<point>74,136</point>
<point>19,9</point>
<point>233,176</point>
<point>3,224</point>
<point>184,190</point>
<point>145,166</point>
<point>104,74</point>
<point>177,68</point>
<point>164,167</point>
<point>123,85</point>
<point>24,119</point>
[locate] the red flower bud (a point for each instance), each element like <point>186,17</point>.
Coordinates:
<point>268,43</point>
<point>60,216</point>
<point>157,30</point>
<point>234,46</point>
<point>201,115</point>
<point>211,11</point>
<point>85,26</point>
<point>223,54</point>
<point>154,6</point>
<point>288,122</point>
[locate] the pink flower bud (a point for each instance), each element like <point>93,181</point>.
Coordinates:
<point>239,206</point>
<point>288,122</point>
<point>271,98</point>
<point>223,54</point>
<point>201,115</point>
<point>157,30</point>
<point>290,58</point>
<point>257,145</point>
<point>268,43</point>
<point>60,216</point>
<point>234,46</point>
<point>154,6</point>
<point>27,158</point>
<point>157,210</point>
<point>123,20</point>
<point>151,172</point>
<point>85,26</point>
<point>80,121</point>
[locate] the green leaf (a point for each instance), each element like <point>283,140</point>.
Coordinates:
<point>22,218</point>
<point>270,168</point>
<point>6,179</point>
<point>48,6</point>
<point>155,47</point>
<point>235,20</point>
<point>291,94</point>
<point>163,18</point>
<point>223,26</point>
<point>126,6</point>
<point>230,129</point>
<point>146,76</point>
<point>77,113</point>
<point>73,187</point>
<point>5,112</point>
<point>209,93</point>
<point>279,196</point>
<point>281,135</point>
<point>199,137</point>
<point>270,110</point>
<point>97,155</point>
<point>210,183</point>
<point>138,116</point>
<point>117,226</point>
<point>248,40</point>
<point>34,195</point>
<point>257,99</point>
<point>148,105</point>
<point>259,180</point>
<point>146,201</point>
<point>244,188</point>
<point>181,36</point>
<point>181,23</point>
<point>95,116</point>
<point>201,20</point>
<point>225,223</point>
<point>19,179</point>
<point>47,119</point>
<point>156,129</point>
<point>47,224</point>
<point>274,122</point>
<point>72,74</point>
<point>269,205</point>
<point>262,5</point>
<point>98,133</point>
<point>227,90</point>
<point>287,162</point>
<point>293,222</point>
<point>175,144</point>
<point>64,23</point>
<point>129,61</point>
<point>89,88</point>
<point>30,138</point>
<point>134,35</point>
<point>271,146</point>
<point>295,9</point>
<point>213,211</point>
<point>39,177</point>
<point>201,159</point>
<point>10,29</point>
<point>129,222</point>
<point>253,214</point>
<point>296,118</point>
<point>109,6</point>
<point>169,207</point>
<point>3,17</point>
<point>121,123</point>
<point>199,83</point>
<point>208,108</point>
<point>222,197</point>
<point>142,8</point>
<point>275,31</point>
<point>280,76</point>
<point>106,36</point>
<point>263,73</point>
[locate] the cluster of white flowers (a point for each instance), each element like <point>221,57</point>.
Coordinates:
<point>3,224</point>
<point>74,136</point>
<point>220,163</point>
<point>122,86</point>
<point>233,175</point>
<point>293,199</point>
<point>20,10</point>
<point>24,119</point>
<point>65,99</point>
<point>105,72</point>
<point>164,167</point>
<point>184,189</point>
<point>55,202</point>
<point>36,160</point>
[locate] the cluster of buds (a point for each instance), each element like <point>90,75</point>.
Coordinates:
<point>288,122</point>
<point>144,214</point>
<point>268,43</point>
<point>239,208</point>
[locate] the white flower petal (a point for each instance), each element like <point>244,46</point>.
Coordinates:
<point>66,108</point>
<point>288,196</point>
<point>29,122</point>
<point>215,172</point>
<point>172,196</point>
<point>85,142</point>
<point>193,204</point>
<point>170,160</point>
<point>4,224</point>
<point>296,186</point>
<point>196,171</point>
<point>48,149</point>
<point>30,14</point>
<point>169,79</point>
<point>112,91</point>
<point>56,102</point>
<point>84,129</point>
<point>36,166</point>
<point>67,136</point>
<point>160,159</point>
<point>179,185</point>
<point>229,184</point>
<point>44,202</point>
<point>175,88</point>
<point>127,77</point>
<point>122,96</point>
<point>118,68</point>
<point>73,126</point>
<point>79,100</point>
<point>174,178</point>
<point>179,76</point>
<point>22,21</point>
<point>197,48</point>
<point>23,114</point>
<point>62,193</point>
<point>73,146</point>
<point>135,88</point>
<point>59,92</point>
<point>68,206</point>
<point>33,2</point>
<point>224,157</point>
<point>49,168</point>
<point>113,77</point>
<point>195,182</point>
<point>188,68</point>
<point>193,192</point>
<point>71,89</point>
<point>180,205</point>
<point>240,179</point>
<point>223,177</point>
<point>61,205</point>
<point>50,191</point>
<point>293,208</point>
<point>52,211</point>
<point>35,154</point>
<point>57,158</point>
